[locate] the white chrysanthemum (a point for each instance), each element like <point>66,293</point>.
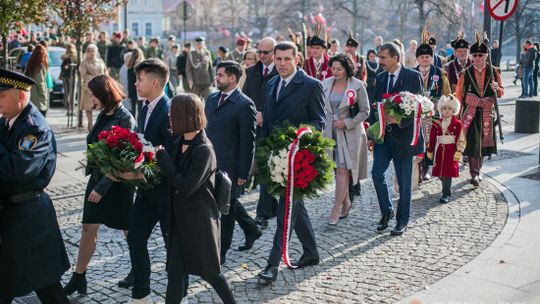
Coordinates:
<point>277,163</point>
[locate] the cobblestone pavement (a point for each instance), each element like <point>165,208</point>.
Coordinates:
<point>358,264</point>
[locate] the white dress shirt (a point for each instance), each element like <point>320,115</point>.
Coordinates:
<point>228,93</point>
<point>270,67</point>
<point>151,107</point>
<point>396,75</point>
<point>287,81</point>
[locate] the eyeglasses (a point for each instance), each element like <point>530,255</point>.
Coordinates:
<point>478,55</point>
<point>264,52</point>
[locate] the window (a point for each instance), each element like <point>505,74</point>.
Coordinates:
<point>135,29</point>
<point>148,29</point>
<point>115,27</point>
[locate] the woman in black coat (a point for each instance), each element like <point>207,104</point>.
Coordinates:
<point>194,231</point>
<point>373,68</point>
<point>107,201</point>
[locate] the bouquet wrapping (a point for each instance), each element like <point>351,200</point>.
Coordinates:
<point>400,105</point>
<point>123,150</point>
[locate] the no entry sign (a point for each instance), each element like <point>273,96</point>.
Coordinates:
<point>502,9</point>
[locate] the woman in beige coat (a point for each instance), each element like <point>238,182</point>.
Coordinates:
<point>90,67</point>
<point>350,153</point>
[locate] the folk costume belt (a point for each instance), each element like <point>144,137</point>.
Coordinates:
<point>442,140</point>
<point>21,197</point>
<point>486,104</point>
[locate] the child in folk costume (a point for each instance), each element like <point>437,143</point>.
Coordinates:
<point>446,143</point>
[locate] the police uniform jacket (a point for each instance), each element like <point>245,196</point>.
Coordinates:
<point>32,252</point>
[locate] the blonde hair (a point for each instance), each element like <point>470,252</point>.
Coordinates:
<point>71,52</point>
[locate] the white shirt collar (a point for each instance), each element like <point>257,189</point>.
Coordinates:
<point>270,67</point>
<point>288,79</point>
<point>11,122</point>
<point>229,93</point>
<point>396,73</point>
<point>318,62</point>
<point>153,103</point>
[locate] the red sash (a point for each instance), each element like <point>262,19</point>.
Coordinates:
<point>486,104</point>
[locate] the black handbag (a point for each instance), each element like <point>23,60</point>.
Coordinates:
<point>222,191</point>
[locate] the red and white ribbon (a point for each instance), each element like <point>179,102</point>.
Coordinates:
<point>416,124</point>
<point>351,94</point>
<point>382,122</point>
<point>295,146</point>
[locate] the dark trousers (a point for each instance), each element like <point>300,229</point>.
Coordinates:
<point>52,294</point>
<point>475,165</point>
<point>302,226</point>
<point>446,186</point>
<point>535,80</point>
<point>176,288</point>
<point>148,209</point>
<point>381,160</point>
<point>238,213</point>
<point>267,204</point>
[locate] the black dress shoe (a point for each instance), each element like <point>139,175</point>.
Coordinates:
<point>261,222</point>
<point>250,239</point>
<point>76,283</point>
<point>268,275</point>
<point>383,223</point>
<point>399,229</point>
<point>128,281</point>
<point>475,181</point>
<point>222,260</point>
<point>445,199</point>
<point>305,261</point>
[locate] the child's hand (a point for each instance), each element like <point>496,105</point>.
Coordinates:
<point>457,156</point>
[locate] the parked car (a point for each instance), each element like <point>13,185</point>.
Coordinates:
<point>55,62</point>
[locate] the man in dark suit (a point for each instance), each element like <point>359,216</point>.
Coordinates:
<point>257,78</point>
<point>397,138</point>
<point>150,205</point>
<point>296,98</point>
<point>231,129</point>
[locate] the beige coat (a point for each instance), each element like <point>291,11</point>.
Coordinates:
<point>351,141</point>
<point>89,70</point>
<point>39,94</point>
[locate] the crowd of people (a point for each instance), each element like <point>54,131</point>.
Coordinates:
<point>205,115</point>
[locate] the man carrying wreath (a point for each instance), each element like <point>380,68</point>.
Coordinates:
<point>397,140</point>
<point>296,98</point>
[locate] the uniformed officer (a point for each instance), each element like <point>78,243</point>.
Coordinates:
<point>199,70</point>
<point>32,252</point>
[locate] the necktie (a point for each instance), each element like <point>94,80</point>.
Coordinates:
<point>143,115</point>
<point>222,99</point>
<point>282,88</point>
<point>265,74</point>
<point>391,83</point>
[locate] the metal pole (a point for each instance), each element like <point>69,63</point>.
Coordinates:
<point>125,17</point>
<point>487,20</point>
<point>501,28</point>
<point>185,21</point>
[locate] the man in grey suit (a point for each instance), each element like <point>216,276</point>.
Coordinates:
<point>231,129</point>
<point>296,98</point>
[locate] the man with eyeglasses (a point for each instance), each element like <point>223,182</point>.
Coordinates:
<point>460,62</point>
<point>397,140</point>
<point>478,88</point>
<point>257,78</point>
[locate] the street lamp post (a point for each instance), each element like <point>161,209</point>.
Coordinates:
<point>126,15</point>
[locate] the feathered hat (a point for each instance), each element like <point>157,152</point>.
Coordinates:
<point>351,41</point>
<point>460,43</point>
<point>424,48</point>
<point>449,101</point>
<point>479,47</point>
<point>319,37</point>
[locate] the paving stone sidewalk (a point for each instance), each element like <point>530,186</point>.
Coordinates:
<point>358,265</point>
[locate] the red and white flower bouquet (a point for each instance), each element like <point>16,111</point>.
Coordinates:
<point>123,150</point>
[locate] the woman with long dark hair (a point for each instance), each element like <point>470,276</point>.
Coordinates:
<point>194,230</point>
<point>136,104</point>
<point>37,68</point>
<point>107,201</point>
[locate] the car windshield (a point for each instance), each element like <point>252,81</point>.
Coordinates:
<point>55,58</point>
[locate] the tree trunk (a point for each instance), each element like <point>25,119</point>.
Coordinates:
<point>78,83</point>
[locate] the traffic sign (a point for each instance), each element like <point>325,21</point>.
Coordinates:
<point>502,9</point>
<point>185,10</point>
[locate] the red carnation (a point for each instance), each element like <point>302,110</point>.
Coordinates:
<point>103,134</point>
<point>149,156</point>
<point>112,141</point>
<point>137,146</point>
<point>397,99</point>
<point>386,96</point>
